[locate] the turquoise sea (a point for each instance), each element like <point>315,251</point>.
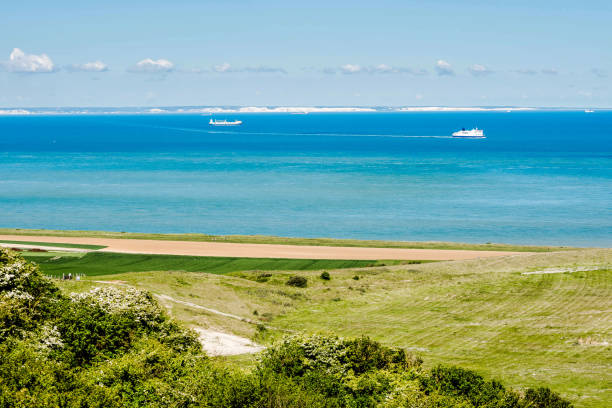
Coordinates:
<point>542,177</point>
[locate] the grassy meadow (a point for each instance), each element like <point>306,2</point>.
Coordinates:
<point>548,329</point>
<point>52,244</point>
<point>108,263</point>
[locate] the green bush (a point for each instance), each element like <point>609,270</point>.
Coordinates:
<point>325,275</point>
<point>263,277</point>
<point>464,383</point>
<point>26,296</point>
<point>297,281</point>
<point>545,398</point>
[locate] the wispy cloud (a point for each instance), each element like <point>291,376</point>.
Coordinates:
<point>526,71</point>
<point>350,69</point>
<point>19,61</point>
<point>259,69</point>
<point>550,71</point>
<point>600,73</point>
<point>262,69</point>
<point>225,67</point>
<point>149,65</point>
<point>95,66</point>
<point>444,68</point>
<point>478,70</point>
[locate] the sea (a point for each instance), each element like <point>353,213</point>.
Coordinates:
<point>540,177</point>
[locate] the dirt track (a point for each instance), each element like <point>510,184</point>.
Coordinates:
<point>142,246</point>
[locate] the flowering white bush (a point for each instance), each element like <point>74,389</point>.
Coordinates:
<point>19,280</point>
<point>12,278</point>
<point>50,338</point>
<point>25,295</point>
<point>113,300</point>
<point>11,275</point>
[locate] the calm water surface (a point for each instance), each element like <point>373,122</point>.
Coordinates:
<point>539,177</point>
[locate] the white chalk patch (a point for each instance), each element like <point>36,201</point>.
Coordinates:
<point>566,270</point>
<point>222,344</point>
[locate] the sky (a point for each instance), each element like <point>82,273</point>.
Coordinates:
<point>306,53</point>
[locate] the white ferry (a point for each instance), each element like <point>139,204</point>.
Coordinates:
<point>470,134</point>
<point>224,122</point>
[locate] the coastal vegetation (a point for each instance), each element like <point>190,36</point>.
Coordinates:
<point>526,319</point>
<point>115,346</point>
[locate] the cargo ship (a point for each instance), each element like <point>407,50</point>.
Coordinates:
<point>224,122</point>
<point>470,134</point>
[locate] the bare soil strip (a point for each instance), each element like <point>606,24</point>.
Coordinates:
<point>223,344</point>
<point>143,246</point>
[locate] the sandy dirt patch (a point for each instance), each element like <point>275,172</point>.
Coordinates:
<point>222,344</point>
<point>144,246</point>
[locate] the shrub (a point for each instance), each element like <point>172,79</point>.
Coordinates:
<point>545,398</point>
<point>263,277</point>
<point>297,281</point>
<point>325,275</point>
<point>364,354</point>
<point>26,296</point>
<point>461,382</point>
<point>471,386</point>
<point>356,277</point>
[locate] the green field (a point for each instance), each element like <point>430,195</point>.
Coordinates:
<point>108,263</point>
<point>261,239</point>
<point>544,329</point>
<point>54,244</point>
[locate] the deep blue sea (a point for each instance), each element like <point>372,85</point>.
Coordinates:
<point>541,177</point>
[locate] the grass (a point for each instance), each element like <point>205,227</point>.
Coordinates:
<point>526,330</point>
<point>108,263</point>
<point>37,256</point>
<point>53,244</point>
<point>260,239</point>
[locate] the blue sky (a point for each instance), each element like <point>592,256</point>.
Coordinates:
<point>408,53</point>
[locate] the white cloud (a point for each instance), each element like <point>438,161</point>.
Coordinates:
<point>225,67</point>
<point>550,71</point>
<point>151,65</point>
<point>444,68</point>
<point>383,68</point>
<point>350,69</point>
<point>95,66</point>
<point>479,70</point>
<point>19,61</point>
<point>260,69</point>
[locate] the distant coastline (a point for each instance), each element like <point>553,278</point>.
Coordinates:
<point>19,111</point>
